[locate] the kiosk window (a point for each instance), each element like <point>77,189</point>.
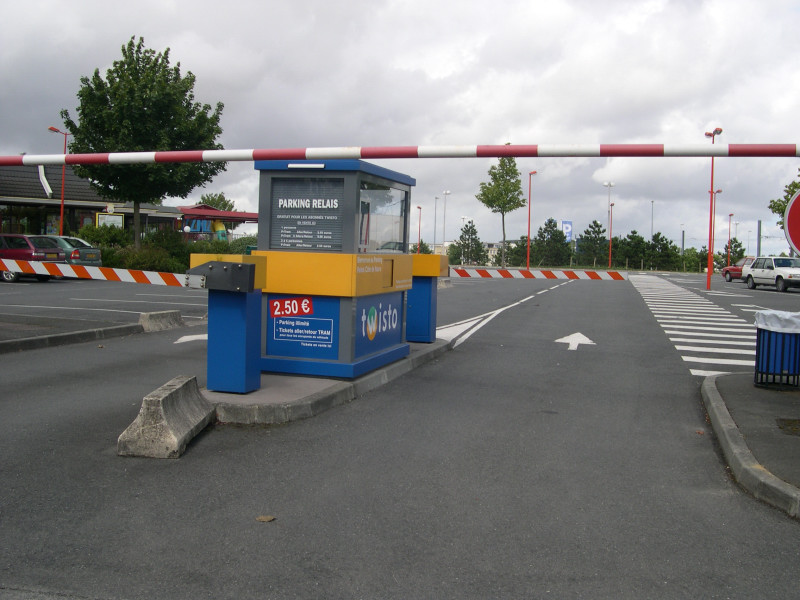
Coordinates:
<point>381,218</point>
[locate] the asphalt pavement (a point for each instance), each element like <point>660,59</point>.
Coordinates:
<point>758,426</point>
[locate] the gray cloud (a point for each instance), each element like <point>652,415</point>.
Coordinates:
<point>387,72</point>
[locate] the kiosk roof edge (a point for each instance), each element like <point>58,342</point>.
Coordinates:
<point>347,164</point>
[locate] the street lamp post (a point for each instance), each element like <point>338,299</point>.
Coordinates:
<point>63,176</point>
<point>711,198</point>
<point>729,238</point>
<point>444,219</point>
<point>609,185</point>
<point>462,245</point>
<point>652,213</point>
<point>528,259</point>
<point>419,228</point>
<point>610,230</point>
<point>435,207</point>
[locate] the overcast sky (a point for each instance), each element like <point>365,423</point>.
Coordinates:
<point>428,72</point>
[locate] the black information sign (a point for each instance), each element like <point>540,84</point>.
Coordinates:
<point>307,214</point>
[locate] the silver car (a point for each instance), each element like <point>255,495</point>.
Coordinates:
<point>78,251</point>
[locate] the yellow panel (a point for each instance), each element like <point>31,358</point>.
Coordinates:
<point>343,275</point>
<point>430,265</point>
<point>195,260</point>
<point>313,273</point>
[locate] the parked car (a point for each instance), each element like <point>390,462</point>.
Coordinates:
<point>78,251</point>
<point>15,246</point>
<point>782,272</point>
<point>732,272</point>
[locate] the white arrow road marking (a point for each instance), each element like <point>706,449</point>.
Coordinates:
<point>191,338</point>
<point>575,340</point>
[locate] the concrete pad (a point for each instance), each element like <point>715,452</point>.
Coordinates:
<point>161,321</point>
<point>167,421</point>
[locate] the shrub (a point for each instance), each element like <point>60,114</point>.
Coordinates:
<point>239,245</point>
<point>106,236</point>
<point>150,258</point>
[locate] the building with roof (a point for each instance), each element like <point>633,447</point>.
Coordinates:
<point>30,202</point>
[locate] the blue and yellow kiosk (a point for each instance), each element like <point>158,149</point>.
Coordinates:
<point>333,291</point>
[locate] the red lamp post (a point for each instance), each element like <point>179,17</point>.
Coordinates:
<point>63,176</point>
<point>711,198</point>
<point>729,238</point>
<point>528,259</point>
<point>419,229</point>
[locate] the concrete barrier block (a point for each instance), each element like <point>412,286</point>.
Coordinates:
<point>160,321</point>
<point>167,421</point>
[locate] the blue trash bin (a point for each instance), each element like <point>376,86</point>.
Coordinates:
<point>777,348</point>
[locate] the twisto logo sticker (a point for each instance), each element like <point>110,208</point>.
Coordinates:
<point>378,320</point>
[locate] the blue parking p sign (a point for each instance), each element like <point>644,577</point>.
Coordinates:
<point>566,227</point>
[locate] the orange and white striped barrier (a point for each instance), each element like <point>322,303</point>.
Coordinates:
<point>101,273</point>
<point>537,274</point>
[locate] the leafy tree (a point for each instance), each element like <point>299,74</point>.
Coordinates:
<point>423,248</point>
<point>663,254</point>
<point>693,260</point>
<point>454,253</point>
<point>517,253</point>
<point>472,249</point>
<point>143,104</point>
<point>592,245</point>
<point>551,246</point>
<point>503,193</point>
<point>737,252</point>
<point>779,206</point>
<point>220,202</point>
<point>630,251</point>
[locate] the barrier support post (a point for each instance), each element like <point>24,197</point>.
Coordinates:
<point>421,299</point>
<point>234,318</point>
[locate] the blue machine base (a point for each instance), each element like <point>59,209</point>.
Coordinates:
<point>295,366</point>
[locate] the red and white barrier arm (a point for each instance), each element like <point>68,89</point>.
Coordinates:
<point>537,274</point>
<point>101,273</point>
<point>381,152</point>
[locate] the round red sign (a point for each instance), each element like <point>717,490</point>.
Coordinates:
<point>791,223</point>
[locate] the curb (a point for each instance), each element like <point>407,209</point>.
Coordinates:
<point>334,395</point>
<point>747,471</point>
<point>148,322</point>
<point>73,337</point>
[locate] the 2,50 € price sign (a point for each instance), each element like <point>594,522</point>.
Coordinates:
<point>291,307</point>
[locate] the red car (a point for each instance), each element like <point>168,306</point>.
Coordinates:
<point>735,271</point>
<point>16,246</point>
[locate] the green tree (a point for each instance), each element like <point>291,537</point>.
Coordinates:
<point>737,252</point>
<point>454,253</point>
<point>694,260</point>
<point>503,193</point>
<point>592,245</point>
<point>550,247</point>
<point>662,253</point>
<point>779,205</point>
<point>517,253</point>
<point>143,104</point>
<point>472,249</point>
<point>630,251</point>
<point>220,202</point>
<point>423,248</point>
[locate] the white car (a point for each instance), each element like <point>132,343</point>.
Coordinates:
<point>782,272</point>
